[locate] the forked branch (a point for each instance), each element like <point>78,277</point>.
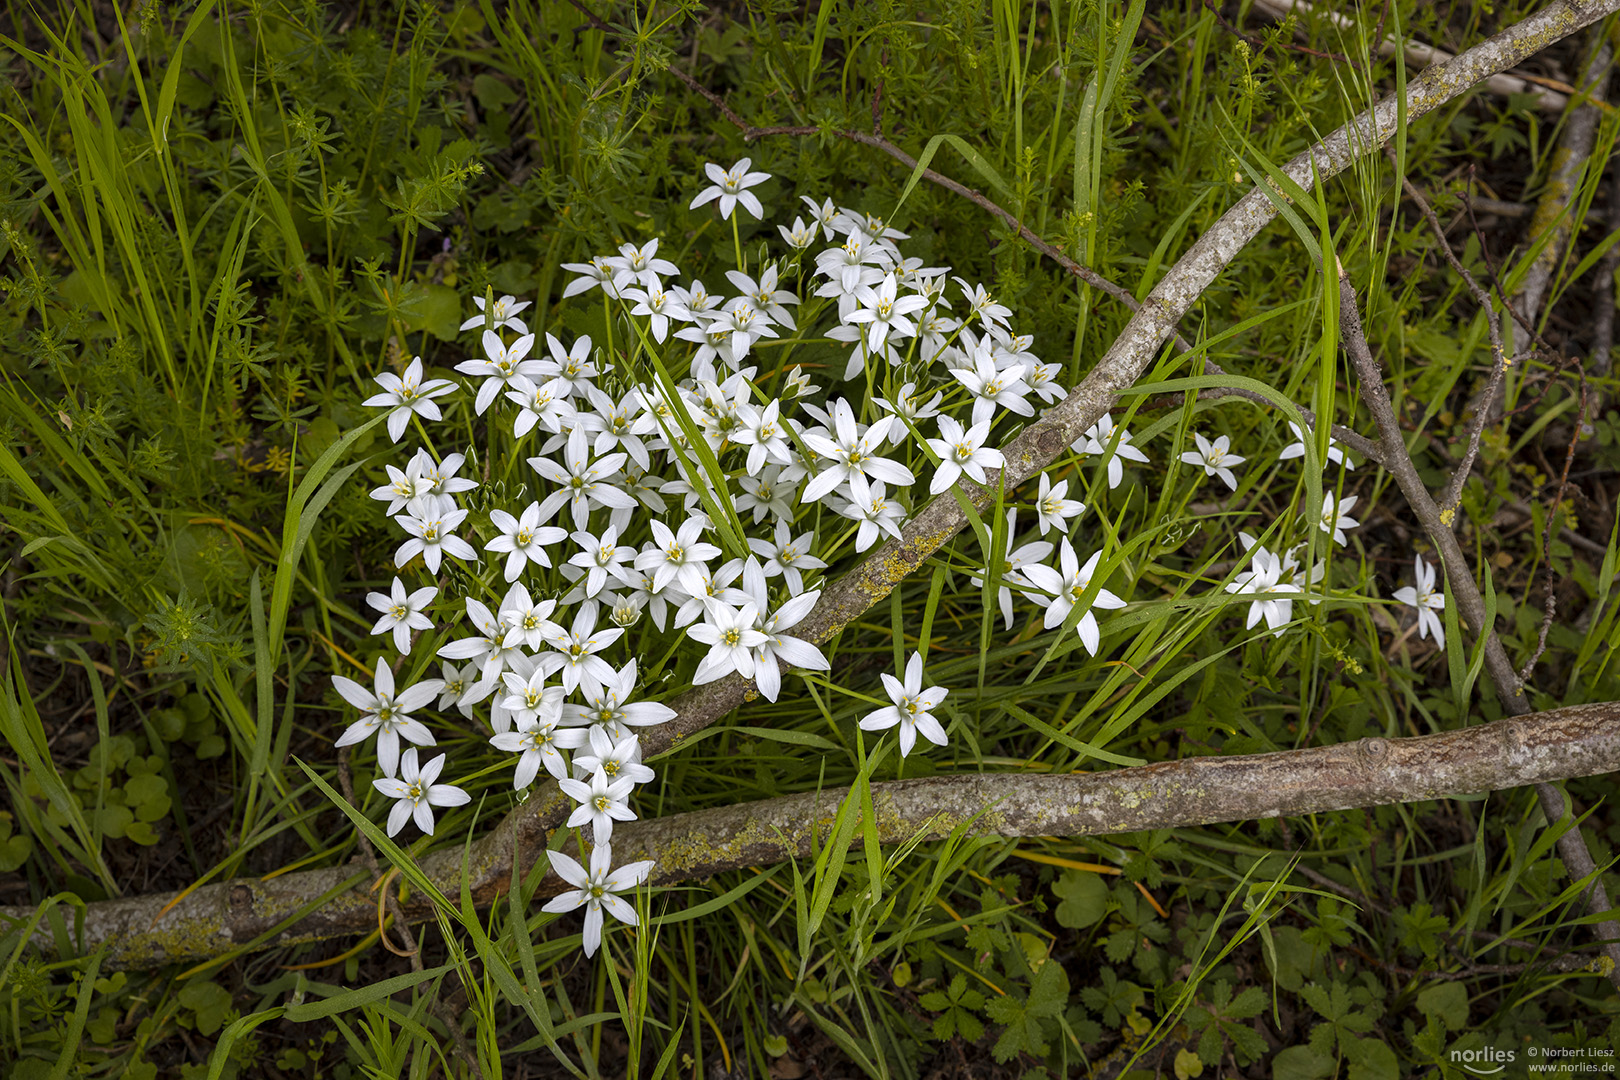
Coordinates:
<point>323,903</point>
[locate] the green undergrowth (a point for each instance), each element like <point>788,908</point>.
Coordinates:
<point>219,221</point>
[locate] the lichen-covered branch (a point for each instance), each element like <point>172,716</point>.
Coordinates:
<point>1583,740</point>
<point>1153,323</point>
<point>1465,594</point>
<point>221,917</point>
<point>1552,221</point>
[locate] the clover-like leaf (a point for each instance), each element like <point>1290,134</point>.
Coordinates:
<point>1083,899</point>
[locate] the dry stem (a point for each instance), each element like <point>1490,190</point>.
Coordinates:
<point>217,919</point>
<point>1466,595</point>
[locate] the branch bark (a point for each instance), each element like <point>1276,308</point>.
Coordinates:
<point>1465,594</point>
<point>1419,54</point>
<point>1570,161</point>
<point>1583,740</point>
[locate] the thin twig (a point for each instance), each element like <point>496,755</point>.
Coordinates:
<point>1490,264</point>
<point>1465,594</point>
<point>1550,602</point>
<point>1257,43</point>
<point>1452,499</point>
<point>1420,55</point>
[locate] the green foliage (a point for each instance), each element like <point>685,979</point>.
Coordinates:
<point>1029,1017</point>
<point>1222,1020</point>
<point>1083,899</point>
<point>957,1006</point>
<point>218,223</point>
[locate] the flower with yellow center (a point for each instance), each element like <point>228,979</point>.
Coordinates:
<point>601,803</point>
<point>911,709</point>
<point>407,394</point>
<point>596,890</point>
<point>385,714</point>
<point>541,740</point>
<point>417,793</point>
<point>402,613</point>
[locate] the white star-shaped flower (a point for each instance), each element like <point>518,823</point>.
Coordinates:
<point>884,312</point>
<point>640,266</point>
<point>585,484</point>
<point>877,513</point>
<point>488,647</point>
<point>765,434</point>
<point>404,486</point>
<point>800,236</point>
<point>613,758</point>
<point>677,556</point>
<point>417,793</point>
<point>540,738</point>
<point>406,394</point>
<point>779,647</point>
<point>658,306</point>
<point>440,476</point>
<point>765,296</point>
<point>402,613</point>
<point>910,709</point>
<point>1264,579</point>
<point>1068,591</point>
<point>731,186</point>
<point>596,890</point>
<point>730,634</point>
<point>523,539</point>
<point>963,452</point>
<point>386,714</point>
<point>601,803</point>
<point>576,652</point>
<point>1428,600</point>
<point>456,688</point>
<point>1297,448</point>
<point>1336,516</point>
<point>1097,440</point>
<point>610,708</point>
<point>505,313</point>
<point>431,536</point>
<point>1215,458</point>
<point>852,452</point>
<point>501,364</point>
<point>1031,554</point>
<point>603,558</point>
<point>598,273</point>
<point>788,557</point>
<point>992,387</point>
<point>981,303</point>
<point>1053,511</point>
<point>908,404</point>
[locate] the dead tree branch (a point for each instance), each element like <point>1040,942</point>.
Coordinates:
<point>1465,593</point>
<point>321,903</point>
<point>1583,740</point>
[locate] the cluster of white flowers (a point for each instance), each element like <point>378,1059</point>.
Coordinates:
<point>623,525</point>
